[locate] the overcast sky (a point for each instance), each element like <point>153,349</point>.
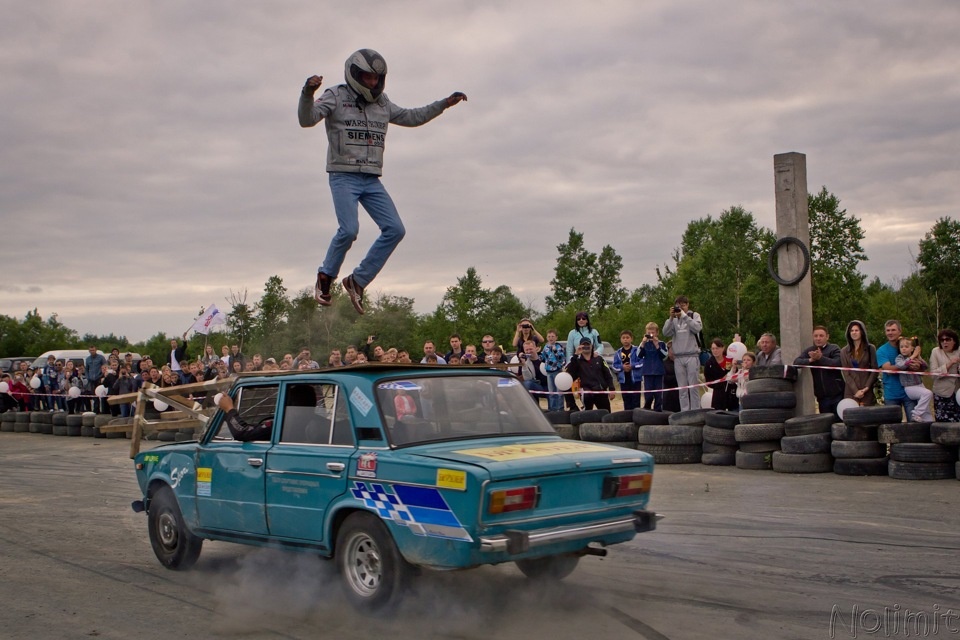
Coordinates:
<point>151,160</point>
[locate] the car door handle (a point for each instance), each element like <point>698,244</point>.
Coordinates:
<point>255,462</point>
<point>336,467</point>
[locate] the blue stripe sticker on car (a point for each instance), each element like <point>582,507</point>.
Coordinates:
<point>422,509</point>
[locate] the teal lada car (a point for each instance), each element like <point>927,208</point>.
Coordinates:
<point>386,468</point>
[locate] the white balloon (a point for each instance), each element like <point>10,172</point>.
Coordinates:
<point>846,403</point>
<point>101,391</point>
<point>564,381</point>
<point>35,382</point>
<point>217,398</point>
<point>543,368</point>
<point>74,392</point>
<point>159,404</point>
<point>514,360</point>
<point>736,350</point>
<point>706,400</point>
<point>957,398</point>
<point>4,387</point>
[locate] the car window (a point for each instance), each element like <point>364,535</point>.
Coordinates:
<point>431,409</point>
<point>315,414</point>
<point>254,404</point>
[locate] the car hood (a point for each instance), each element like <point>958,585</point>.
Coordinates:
<point>507,458</point>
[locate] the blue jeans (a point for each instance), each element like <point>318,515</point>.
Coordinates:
<point>554,400</point>
<point>533,385</point>
<point>905,402</point>
<point>348,190</point>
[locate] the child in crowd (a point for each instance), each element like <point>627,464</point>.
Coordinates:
<point>554,356</point>
<point>912,384</point>
<point>626,362</point>
<point>740,371</point>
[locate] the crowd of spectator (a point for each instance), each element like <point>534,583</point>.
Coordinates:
<point>648,372</point>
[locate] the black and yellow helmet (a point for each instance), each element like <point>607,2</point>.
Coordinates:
<point>369,61</point>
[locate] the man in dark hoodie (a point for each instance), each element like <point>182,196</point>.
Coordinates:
<point>593,374</point>
<point>827,384</point>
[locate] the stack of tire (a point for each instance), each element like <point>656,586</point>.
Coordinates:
<point>599,425</point>
<point>561,423</point>
<point>719,439</point>
<point>769,402</point>
<point>855,446</point>
<point>21,422</point>
<point>913,453</point>
<point>805,446</point>
<point>948,435</point>
<point>679,441</point>
<point>7,421</point>
<point>41,422</point>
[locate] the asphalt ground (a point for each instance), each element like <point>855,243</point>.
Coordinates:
<point>739,554</point>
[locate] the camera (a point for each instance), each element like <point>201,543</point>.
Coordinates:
<point>375,337</point>
<point>676,308</point>
<point>649,336</point>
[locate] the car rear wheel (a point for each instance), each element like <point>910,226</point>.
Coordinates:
<point>372,571</point>
<point>548,568</point>
<point>173,544</point>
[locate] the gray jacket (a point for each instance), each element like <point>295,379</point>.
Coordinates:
<point>684,330</point>
<point>356,129</point>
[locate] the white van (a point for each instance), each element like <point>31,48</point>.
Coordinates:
<point>77,356</point>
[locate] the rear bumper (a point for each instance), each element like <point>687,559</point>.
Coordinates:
<point>515,541</point>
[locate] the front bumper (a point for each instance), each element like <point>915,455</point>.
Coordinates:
<point>515,541</point>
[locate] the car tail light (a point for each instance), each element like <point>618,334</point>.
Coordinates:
<point>630,485</point>
<point>507,500</point>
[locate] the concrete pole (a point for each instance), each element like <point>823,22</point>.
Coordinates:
<point>796,302</point>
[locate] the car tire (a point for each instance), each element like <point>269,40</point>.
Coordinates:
<point>761,416</point>
<point>947,433</point>
<point>625,444</point>
<point>922,470</point>
<point>550,568</point>
<point>754,461</point>
<point>609,431</point>
<point>690,418</point>
<point>162,436</point>
<point>727,459</point>
<point>855,449</point>
<point>673,453</point>
<point>802,462</point>
<point>904,432</point>
<point>710,447</point>
<point>880,414</point>
<point>779,372</point>
<point>567,431</point>
<point>88,419</point>
<point>173,543</point>
<point>841,431</point>
<point>59,419</point>
<point>88,432</point>
<point>373,574</point>
<point>557,417</point>
<point>771,400</point>
<point>860,466</point>
<point>760,446</point>
<point>809,444</point>
<point>646,416</point>
<point>921,452</point>
<point>758,432</point>
<point>670,434</point>
<point>808,425</point>
<point>722,419</point>
<point>768,385</point>
<point>723,437</point>
<point>618,416</point>
<point>593,415</point>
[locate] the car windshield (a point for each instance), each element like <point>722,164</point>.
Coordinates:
<point>437,409</point>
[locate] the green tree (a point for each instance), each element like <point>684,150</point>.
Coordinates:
<point>240,320</point>
<point>835,257</point>
<point>574,277</point>
<point>34,335</point>
<point>608,291</point>
<point>271,315</point>
<point>939,270</point>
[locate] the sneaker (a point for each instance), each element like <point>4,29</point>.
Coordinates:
<point>321,291</point>
<point>355,292</point>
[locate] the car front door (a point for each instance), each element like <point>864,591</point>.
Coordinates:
<point>231,474</point>
<point>307,468</point>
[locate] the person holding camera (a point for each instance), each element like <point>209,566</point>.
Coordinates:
<point>534,380</point>
<point>594,376</point>
<point>652,353</point>
<point>526,331</point>
<point>684,326</point>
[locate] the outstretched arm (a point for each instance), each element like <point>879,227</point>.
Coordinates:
<point>455,98</point>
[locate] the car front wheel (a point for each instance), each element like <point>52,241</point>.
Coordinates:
<point>173,544</point>
<point>372,571</point>
<point>548,568</point>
